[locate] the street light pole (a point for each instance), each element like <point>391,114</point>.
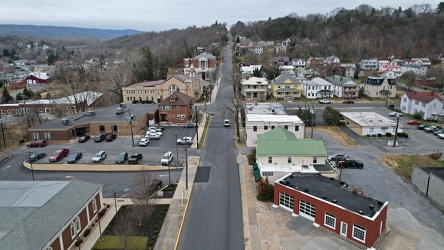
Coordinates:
<point>130,118</point>
<point>115,201</point>
<point>186,168</point>
<point>177,150</point>
<point>3,132</point>
<point>396,129</point>
<point>29,159</point>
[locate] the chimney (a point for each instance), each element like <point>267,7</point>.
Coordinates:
<point>246,78</point>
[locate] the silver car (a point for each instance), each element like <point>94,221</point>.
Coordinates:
<point>100,156</point>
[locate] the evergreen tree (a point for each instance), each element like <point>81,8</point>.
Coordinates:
<point>6,97</point>
<point>6,52</point>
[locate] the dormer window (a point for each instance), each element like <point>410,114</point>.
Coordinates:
<point>172,99</point>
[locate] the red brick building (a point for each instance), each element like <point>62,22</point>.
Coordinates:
<point>37,78</point>
<point>204,65</point>
<point>47,214</point>
<point>176,108</point>
<point>331,204</point>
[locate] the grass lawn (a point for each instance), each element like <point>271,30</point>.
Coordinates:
<point>114,242</point>
<point>337,134</point>
<point>402,164</point>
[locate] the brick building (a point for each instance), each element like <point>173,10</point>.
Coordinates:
<point>176,108</point>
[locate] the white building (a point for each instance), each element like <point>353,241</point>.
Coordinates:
<point>317,88</point>
<point>298,63</point>
<point>370,123</point>
<point>429,103</point>
<point>262,117</point>
<point>369,64</point>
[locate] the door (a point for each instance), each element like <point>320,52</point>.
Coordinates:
<point>343,229</point>
<point>285,200</point>
<point>307,210</point>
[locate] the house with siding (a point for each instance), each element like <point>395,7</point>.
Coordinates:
<point>430,104</point>
<point>255,88</point>
<point>344,87</point>
<point>332,205</point>
<point>318,88</point>
<point>279,152</point>
<point>46,214</point>
<point>286,87</point>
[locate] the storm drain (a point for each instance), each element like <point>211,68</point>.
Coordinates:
<point>202,174</point>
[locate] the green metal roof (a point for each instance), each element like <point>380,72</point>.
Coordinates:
<point>277,134</point>
<point>301,147</point>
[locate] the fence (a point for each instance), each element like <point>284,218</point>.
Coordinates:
<point>429,183</point>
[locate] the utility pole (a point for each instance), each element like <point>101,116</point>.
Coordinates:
<point>340,170</point>
<point>312,119</point>
<point>177,150</point>
<point>130,118</point>
<point>197,128</point>
<point>3,132</point>
<point>396,129</point>
<point>30,161</point>
<point>186,168</point>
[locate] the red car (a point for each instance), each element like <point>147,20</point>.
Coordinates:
<point>413,122</point>
<point>58,155</point>
<point>347,101</point>
<point>37,143</point>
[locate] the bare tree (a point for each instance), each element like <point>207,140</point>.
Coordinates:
<point>141,195</point>
<point>125,229</point>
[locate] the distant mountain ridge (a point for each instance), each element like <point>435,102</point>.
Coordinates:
<point>63,32</point>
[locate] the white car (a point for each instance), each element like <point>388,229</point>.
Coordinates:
<point>395,114</point>
<point>324,101</point>
<point>226,123</point>
<point>157,129</point>
<point>185,140</point>
<point>167,158</point>
<point>100,156</point>
<point>440,136</point>
<point>153,131</point>
<point>144,141</point>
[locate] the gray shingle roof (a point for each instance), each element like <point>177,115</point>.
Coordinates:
<point>31,225</point>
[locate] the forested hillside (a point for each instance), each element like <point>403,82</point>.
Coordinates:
<point>358,33</point>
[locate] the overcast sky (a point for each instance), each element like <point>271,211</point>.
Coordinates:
<point>159,15</point>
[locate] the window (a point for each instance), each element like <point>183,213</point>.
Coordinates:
<point>75,227</point>
<point>296,128</point>
<point>254,128</point>
<point>372,130</point>
<point>286,127</point>
<point>330,221</point>
<point>358,233</point>
<point>343,228</point>
<point>270,159</point>
<point>286,200</point>
<point>35,136</point>
<point>114,128</point>
<point>94,204</point>
<point>102,128</point>
<point>47,136</point>
<point>172,89</point>
<point>265,127</point>
<point>315,159</point>
<point>177,107</point>
<point>272,127</point>
<point>289,159</point>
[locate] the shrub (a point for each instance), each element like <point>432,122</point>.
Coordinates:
<point>388,134</point>
<point>102,213</point>
<point>86,232</point>
<point>92,225</point>
<point>265,191</point>
<point>108,206</point>
<point>135,101</point>
<point>435,156</point>
<point>252,157</point>
<point>379,135</point>
<point>79,241</point>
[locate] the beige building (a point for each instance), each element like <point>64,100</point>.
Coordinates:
<point>379,87</point>
<point>156,91</point>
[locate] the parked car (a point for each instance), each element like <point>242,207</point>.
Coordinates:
<point>185,140</point>
<point>122,157</point>
<point>395,114</point>
<point>37,156</point>
<point>154,132</point>
<point>437,132</point>
<point>421,127</point>
<point>324,101</point>
<point>167,158</point>
<point>37,143</point>
<point>226,123</point>
<point>152,136</point>
<point>189,125</point>
<point>431,129</point>
<point>59,154</point>
<point>135,158</point>
<point>99,138</point>
<point>144,141</point>
<point>347,101</point>
<point>100,156</point>
<point>74,157</point>
<point>414,122</point>
<point>84,138</point>
<point>338,156</point>
<point>159,127</point>
<point>110,137</point>
<point>440,136</point>
<point>350,163</point>
<point>155,128</point>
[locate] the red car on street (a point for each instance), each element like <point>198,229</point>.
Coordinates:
<point>58,155</point>
<point>413,122</point>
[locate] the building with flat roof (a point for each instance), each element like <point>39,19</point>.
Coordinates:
<point>46,214</point>
<point>112,119</point>
<point>262,117</point>
<point>333,205</point>
<point>370,123</point>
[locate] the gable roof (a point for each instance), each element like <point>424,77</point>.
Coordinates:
<point>33,212</point>
<point>285,76</point>
<point>280,58</point>
<point>341,81</point>
<point>280,141</point>
<point>205,55</point>
<point>425,97</point>
<point>180,98</point>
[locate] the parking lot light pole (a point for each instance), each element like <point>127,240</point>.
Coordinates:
<point>396,129</point>
<point>197,129</point>
<point>30,162</point>
<point>177,150</point>
<point>186,168</point>
<point>312,119</point>
<point>115,201</point>
<point>130,118</point>
<point>100,226</point>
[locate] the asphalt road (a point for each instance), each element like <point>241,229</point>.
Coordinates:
<point>214,215</point>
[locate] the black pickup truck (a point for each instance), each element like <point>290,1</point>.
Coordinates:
<point>135,158</point>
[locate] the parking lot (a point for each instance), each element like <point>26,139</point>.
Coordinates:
<point>152,153</point>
